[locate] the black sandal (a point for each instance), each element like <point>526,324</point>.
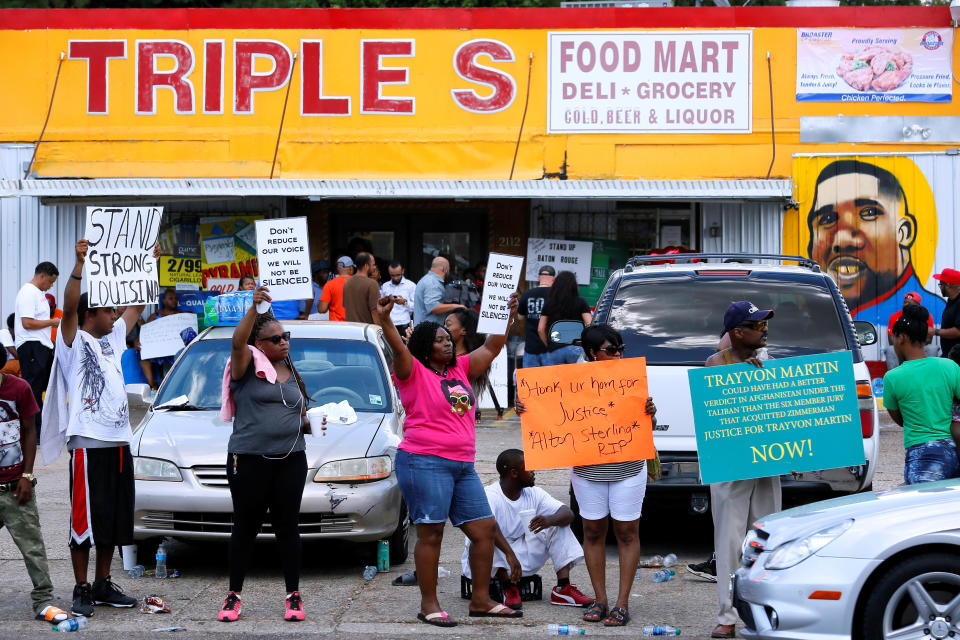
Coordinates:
<point>618,618</point>
<point>595,612</point>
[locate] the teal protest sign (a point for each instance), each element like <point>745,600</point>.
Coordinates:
<point>795,414</point>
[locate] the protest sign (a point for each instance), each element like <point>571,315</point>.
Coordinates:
<point>497,375</point>
<point>796,414</point>
<point>502,279</point>
<point>164,336</point>
<point>588,413</point>
<point>562,255</point>
<point>120,266</point>
<point>283,258</point>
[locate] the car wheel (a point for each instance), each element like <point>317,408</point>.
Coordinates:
<point>918,598</point>
<point>400,540</point>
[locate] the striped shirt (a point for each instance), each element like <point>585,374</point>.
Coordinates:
<point>611,471</point>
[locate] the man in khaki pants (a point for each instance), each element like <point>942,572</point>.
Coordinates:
<point>737,504</point>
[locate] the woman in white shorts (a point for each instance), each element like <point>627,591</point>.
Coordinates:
<point>615,490</point>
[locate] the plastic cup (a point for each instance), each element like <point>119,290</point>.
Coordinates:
<point>526,515</point>
<point>129,555</point>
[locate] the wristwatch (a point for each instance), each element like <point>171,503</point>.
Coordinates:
<point>29,476</point>
<point>936,331</point>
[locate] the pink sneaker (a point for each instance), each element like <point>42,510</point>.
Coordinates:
<point>294,612</point>
<point>231,608</point>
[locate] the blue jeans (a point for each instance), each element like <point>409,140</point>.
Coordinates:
<point>436,488</point>
<point>535,359</point>
<point>931,461</point>
<point>566,355</point>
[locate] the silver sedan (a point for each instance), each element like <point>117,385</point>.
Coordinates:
<point>872,565</point>
<point>180,447</point>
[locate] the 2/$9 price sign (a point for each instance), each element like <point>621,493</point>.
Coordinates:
<point>649,82</point>
<point>796,414</point>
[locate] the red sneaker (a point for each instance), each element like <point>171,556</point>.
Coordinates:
<point>294,612</point>
<point>231,608</point>
<point>569,596</point>
<point>511,597</point>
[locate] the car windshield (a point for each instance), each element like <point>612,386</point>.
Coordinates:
<point>332,370</point>
<point>677,319</point>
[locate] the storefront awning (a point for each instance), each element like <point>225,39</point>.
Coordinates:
<point>152,189</point>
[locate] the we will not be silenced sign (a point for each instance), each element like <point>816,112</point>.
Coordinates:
<point>796,414</point>
<point>120,266</point>
<point>583,414</point>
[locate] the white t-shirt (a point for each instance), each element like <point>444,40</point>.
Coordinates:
<point>31,303</point>
<point>98,400</point>
<point>507,512</point>
<point>6,340</point>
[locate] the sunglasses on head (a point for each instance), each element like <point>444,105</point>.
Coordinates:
<point>275,339</point>
<point>756,326</point>
<point>613,349</point>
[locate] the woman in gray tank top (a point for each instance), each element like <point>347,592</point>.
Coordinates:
<point>266,459</point>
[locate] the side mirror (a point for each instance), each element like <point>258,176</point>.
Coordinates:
<point>139,394</point>
<point>565,332</point>
<point>866,332</point>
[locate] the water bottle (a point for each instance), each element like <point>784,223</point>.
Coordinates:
<point>655,561</point>
<point>443,572</point>
<point>659,630</point>
<point>565,630</point>
<point>369,571</point>
<point>636,576</point>
<point>670,560</point>
<point>137,571</point>
<point>383,556</point>
<point>161,571</point>
<point>72,624</point>
<point>663,575</point>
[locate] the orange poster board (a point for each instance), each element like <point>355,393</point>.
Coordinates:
<point>587,413</point>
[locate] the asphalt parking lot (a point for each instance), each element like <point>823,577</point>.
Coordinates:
<point>340,604</point>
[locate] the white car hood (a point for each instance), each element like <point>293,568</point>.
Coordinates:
<point>905,509</point>
<point>199,438</point>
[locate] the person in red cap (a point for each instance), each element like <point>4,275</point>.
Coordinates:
<point>911,298</point>
<point>949,330</point>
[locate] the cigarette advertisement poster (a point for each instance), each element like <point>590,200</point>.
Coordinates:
<point>796,414</point>
<point>587,413</point>
<point>874,65</point>
<point>649,82</point>
<point>120,266</point>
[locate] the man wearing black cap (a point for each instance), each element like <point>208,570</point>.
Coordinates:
<point>738,503</point>
<point>531,304</point>
<point>949,330</point>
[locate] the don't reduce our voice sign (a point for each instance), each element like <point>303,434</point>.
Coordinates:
<point>796,414</point>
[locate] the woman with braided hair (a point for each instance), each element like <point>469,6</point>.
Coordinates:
<point>435,460</point>
<point>266,459</point>
<point>919,396</point>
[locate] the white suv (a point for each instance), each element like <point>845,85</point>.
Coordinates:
<point>672,314</point>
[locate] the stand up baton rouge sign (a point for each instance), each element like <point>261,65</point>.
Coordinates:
<point>649,82</point>
<point>120,266</point>
<point>795,414</point>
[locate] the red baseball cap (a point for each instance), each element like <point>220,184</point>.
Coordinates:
<point>913,295</point>
<point>949,276</point>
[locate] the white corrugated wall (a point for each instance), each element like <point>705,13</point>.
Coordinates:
<point>743,227</point>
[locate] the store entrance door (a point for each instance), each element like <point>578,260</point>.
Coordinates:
<point>414,238</point>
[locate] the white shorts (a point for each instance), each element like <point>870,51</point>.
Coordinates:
<point>622,500</point>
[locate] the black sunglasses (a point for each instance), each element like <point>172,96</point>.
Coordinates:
<point>275,339</point>
<point>613,350</point>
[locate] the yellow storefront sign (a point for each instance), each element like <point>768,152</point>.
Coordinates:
<point>410,94</point>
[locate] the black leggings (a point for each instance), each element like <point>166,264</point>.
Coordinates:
<point>258,484</point>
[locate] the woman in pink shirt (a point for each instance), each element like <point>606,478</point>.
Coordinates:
<point>434,462</point>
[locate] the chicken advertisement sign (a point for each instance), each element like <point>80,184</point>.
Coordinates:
<point>888,65</point>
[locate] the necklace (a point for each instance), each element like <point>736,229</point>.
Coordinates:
<point>442,375</point>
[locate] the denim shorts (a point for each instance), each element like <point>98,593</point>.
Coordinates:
<point>436,489</point>
<point>931,461</point>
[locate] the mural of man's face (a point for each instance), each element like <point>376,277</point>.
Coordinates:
<point>860,235</point>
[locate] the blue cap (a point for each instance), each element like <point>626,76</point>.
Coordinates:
<point>743,311</point>
<point>319,265</point>
<point>343,262</point>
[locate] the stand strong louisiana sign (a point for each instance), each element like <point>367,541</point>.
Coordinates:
<point>795,414</point>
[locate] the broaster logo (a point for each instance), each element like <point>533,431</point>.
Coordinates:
<point>931,40</point>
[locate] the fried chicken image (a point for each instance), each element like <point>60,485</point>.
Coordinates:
<point>878,68</point>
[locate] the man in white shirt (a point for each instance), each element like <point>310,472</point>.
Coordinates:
<point>536,527</point>
<point>402,291</point>
<point>32,325</point>
<point>89,347</point>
